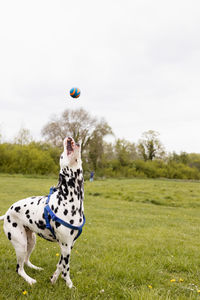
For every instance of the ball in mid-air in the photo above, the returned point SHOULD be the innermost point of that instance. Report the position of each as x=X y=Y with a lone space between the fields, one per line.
x=75 y=92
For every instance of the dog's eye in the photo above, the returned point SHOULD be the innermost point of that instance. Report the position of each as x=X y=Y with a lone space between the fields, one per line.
x=61 y=157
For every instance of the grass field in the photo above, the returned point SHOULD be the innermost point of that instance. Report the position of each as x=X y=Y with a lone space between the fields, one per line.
x=141 y=241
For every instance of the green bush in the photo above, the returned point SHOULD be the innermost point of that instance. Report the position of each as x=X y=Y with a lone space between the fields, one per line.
x=27 y=159
x=43 y=159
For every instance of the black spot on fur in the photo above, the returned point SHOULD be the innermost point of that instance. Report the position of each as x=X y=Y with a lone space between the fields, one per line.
x=42 y=236
x=14 y=224
x=32 y=202
x=71 y=200
x=57 y=224
x=65 y=212
x=40 y=224
x=72 y=232
x=56 y=210
x=80 y=220
x=80 y=183
x=67 y=269
x=8 y=218
x=71 y=194
x=71 y=221
x=24 y=205
x=39 y=201
x=71 y=182
x=66 y=259
x=9 y=235
x=59 y=200
x=78 y=171
x=61 y=260
x=28 y=216
x=52 y=207
x=66 y=192
x=81 y=194
x=30 y=221
x=27 y=212
x=73 y=213
x=33 y=197
x=11 y=207
x=17 y=268
x=17 y=208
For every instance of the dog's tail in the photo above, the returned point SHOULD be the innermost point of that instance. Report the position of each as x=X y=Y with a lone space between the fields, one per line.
x=2 y=218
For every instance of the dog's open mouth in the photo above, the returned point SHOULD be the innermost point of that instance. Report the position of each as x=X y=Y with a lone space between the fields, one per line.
x=70 y=146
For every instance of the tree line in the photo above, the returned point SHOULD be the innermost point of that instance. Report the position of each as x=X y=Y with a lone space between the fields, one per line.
x=146 y=158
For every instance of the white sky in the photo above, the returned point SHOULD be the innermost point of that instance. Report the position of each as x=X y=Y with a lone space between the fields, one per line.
x=137 y=64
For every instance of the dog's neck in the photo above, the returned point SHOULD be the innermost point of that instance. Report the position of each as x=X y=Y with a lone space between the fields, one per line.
x=71 y=185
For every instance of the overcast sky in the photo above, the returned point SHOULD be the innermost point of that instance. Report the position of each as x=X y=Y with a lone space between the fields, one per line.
x=137 y=64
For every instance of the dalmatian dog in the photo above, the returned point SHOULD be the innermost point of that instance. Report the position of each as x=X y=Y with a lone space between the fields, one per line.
x=26 y=218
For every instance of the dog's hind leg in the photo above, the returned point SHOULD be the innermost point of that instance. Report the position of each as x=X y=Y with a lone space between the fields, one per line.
x=31 y=241
x=18 y=238
x=58 y=270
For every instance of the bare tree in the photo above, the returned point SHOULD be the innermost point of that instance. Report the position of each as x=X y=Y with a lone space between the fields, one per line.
x=76 y=123
x=23 y=137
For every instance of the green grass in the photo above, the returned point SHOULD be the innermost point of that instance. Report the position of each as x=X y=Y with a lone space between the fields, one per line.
x=138 y=233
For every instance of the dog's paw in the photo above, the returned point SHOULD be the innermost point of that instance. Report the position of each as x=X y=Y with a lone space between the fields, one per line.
x=53 y=279
x=69 y=283
x=30 y=265
x=40 y=269
x=32 y=281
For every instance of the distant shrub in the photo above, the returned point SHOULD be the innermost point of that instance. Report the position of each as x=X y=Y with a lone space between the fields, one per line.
x=181 y=171
x=26 y=159
x=43 y=159
x=150 y=169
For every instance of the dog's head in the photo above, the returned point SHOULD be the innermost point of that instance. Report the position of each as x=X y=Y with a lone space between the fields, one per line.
x=71 y=156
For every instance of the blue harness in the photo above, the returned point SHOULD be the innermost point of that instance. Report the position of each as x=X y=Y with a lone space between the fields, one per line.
x=48 y=212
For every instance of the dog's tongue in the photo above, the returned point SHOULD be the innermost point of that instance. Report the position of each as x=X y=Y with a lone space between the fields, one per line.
x=69 y=146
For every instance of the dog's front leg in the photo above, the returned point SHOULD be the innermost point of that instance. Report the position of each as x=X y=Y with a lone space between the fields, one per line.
x=66 y=251
x=63 y=266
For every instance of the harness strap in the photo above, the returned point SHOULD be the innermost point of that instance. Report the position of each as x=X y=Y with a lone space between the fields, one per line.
x=48 y=212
